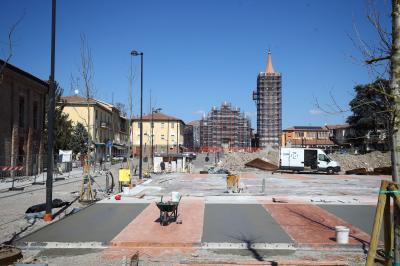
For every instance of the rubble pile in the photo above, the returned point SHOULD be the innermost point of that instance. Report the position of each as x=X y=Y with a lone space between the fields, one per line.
x=369 y=161
x=236 y=161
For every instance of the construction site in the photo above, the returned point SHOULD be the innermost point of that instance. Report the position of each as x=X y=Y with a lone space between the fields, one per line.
x=247 y=217
x=225 y=128
x=115 y=174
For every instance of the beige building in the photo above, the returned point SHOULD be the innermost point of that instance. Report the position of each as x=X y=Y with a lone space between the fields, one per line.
x=166 y=133
x=103 y=122
x=306 y=137
x=22 y=108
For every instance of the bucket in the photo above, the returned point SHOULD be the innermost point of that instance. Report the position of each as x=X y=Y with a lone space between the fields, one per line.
x=126 y=190
x=174 y=196
x=342 y=234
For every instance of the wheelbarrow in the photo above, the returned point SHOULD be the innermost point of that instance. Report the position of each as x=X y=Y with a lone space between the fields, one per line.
x=168 y=210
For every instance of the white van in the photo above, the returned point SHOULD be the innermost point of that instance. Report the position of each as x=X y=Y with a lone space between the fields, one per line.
x=301 y=159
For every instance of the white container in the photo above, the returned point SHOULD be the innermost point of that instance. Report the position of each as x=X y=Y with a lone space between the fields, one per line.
x=175 y=196
x=126 y=190
x=342 y=234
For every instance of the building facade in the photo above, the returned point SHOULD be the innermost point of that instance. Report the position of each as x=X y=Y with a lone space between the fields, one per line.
x=161 y=132
x=108 y=130
x=268 y=98
x=22 y=118
x=192 y=135
x=225 y=128
x=307 y=137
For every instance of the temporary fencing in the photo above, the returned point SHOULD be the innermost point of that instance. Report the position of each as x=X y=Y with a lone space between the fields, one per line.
x=16 y=172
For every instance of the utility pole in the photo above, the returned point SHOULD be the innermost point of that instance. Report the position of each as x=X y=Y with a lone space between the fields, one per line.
x=50 y=123
x=395 y=88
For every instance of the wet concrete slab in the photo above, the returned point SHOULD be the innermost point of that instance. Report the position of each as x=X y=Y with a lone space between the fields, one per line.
x=241 y=223
x=96 y=223
x=361 y=216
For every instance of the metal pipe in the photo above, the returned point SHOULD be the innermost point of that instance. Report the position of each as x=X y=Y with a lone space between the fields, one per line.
x=141 y=117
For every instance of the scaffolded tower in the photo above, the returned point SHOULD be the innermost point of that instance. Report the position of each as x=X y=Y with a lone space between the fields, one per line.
x=226 y=127
x=268 y=98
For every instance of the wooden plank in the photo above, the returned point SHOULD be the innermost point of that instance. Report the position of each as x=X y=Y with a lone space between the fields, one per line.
x=388 y=233
x=377 y=225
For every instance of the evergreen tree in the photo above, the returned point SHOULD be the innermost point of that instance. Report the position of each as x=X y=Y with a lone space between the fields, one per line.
x=372 y=110
x=79 y=139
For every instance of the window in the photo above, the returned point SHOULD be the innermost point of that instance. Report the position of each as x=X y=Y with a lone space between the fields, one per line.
x=172 y=125
x=138 y=125
x=323 y=157
x=298 y=134
x=21 y=117
x=162 y=125
x=162 y=136
x=35 y=115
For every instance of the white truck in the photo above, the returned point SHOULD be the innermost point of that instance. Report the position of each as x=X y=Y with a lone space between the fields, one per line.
x=301 y=159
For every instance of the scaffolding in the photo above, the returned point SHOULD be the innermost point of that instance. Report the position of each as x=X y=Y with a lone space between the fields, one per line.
x=225 y=128
x=268 y=98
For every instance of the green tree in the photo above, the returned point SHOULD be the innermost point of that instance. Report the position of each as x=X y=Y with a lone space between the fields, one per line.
x=372 y=109
x=79 y=139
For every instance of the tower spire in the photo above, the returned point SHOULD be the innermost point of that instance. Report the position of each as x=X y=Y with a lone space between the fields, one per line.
x=270 y=68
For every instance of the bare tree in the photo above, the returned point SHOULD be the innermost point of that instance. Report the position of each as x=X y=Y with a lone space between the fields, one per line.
x=86 y=74
x=122 y=108
x=10 y=44
x=387 y=52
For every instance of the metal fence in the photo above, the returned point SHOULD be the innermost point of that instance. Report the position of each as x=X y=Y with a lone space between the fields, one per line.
x=18 y=171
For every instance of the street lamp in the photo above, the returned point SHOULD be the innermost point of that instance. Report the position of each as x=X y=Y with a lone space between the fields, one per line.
x=48 y=216
x=136 y=53
x=156 y=110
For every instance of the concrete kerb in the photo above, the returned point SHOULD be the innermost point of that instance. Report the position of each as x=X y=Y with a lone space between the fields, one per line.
x=62 y=245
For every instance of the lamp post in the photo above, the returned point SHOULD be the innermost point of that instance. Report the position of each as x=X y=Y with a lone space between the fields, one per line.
x=152 y=132
x=136 y=53
x=50 y=130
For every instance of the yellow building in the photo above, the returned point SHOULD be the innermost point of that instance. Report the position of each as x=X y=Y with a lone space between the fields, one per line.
x=102 y=121
x=167 y=133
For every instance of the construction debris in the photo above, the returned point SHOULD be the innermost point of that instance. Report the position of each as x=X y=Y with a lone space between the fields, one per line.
x=261 y=164
x=236 y=161
x=375 y=159
x=9 y=254
x=374 y=171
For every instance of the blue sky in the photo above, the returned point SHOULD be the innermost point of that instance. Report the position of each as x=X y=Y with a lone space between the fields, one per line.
x=198 y=54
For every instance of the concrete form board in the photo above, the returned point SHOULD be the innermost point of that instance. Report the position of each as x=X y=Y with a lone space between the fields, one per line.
x=361 y=216
x=238 y=223
x=96 y=223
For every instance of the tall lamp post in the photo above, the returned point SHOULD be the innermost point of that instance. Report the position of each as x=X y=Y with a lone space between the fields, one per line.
x=136 y=53
x=50 y=125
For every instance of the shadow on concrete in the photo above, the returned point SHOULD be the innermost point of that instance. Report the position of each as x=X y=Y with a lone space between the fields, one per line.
x=249 y=241
x=362 y=242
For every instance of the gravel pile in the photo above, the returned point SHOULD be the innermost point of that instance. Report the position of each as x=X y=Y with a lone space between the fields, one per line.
x=370 y=160
x=236 y=161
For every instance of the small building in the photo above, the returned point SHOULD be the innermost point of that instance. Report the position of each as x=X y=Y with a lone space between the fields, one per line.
x=192 y=135
x=307 y=137
x=340 y=134
x=22 y=118
x=161 y=133
x=172 y=163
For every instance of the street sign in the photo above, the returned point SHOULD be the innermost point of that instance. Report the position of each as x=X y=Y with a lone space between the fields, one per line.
x=109 y=144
